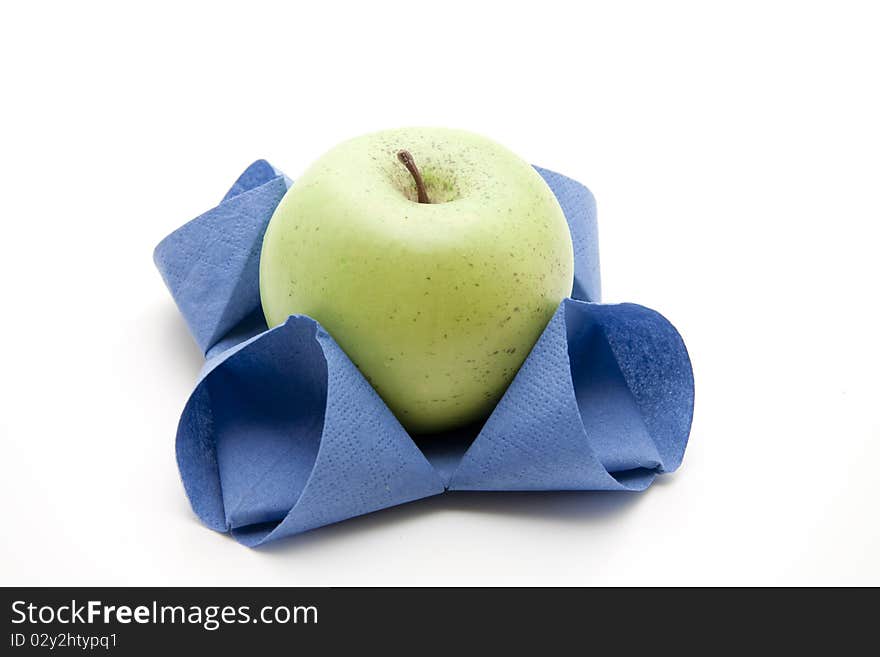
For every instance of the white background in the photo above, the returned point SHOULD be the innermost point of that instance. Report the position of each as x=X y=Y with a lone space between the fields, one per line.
x=735 y=155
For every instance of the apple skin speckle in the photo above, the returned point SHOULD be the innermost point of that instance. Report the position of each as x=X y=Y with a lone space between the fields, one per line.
x=438 y=303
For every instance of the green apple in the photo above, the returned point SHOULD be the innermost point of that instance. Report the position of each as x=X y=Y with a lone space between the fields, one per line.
x=434 y=257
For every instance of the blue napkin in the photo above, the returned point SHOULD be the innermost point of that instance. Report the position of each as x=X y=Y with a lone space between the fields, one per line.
x=282 y=433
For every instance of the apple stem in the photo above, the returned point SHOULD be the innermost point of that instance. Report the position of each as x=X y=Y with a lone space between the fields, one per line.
x=407 y=159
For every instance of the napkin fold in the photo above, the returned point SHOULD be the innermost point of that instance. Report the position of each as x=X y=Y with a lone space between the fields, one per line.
x=211 y=265
x=282 y=433
x=603 y=402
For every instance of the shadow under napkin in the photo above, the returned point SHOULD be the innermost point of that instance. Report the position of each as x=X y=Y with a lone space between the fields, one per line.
x=544 y=507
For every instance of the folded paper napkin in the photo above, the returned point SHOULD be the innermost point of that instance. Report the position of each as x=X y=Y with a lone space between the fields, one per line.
x=282 y=433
